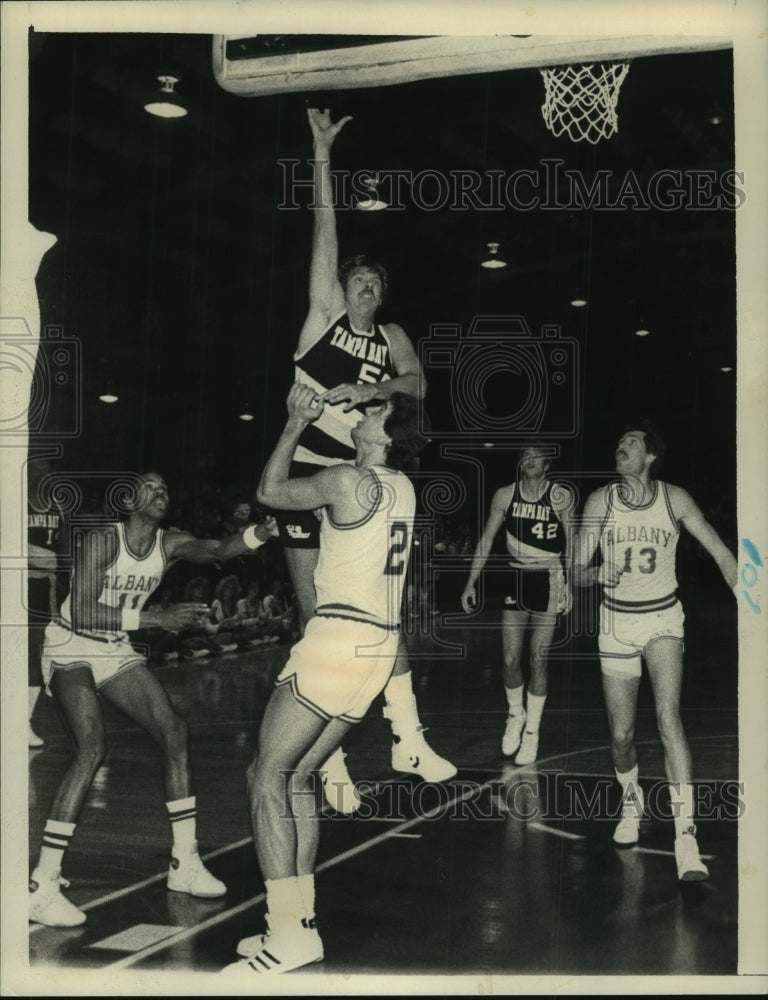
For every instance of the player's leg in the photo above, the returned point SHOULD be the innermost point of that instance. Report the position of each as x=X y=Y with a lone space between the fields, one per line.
x=664 y=658
x=75 y=693
x=138 y=693
x=513 y=629
x=285 y=808
x=410 y=751
x=301 y=557
x=620 y=690
x=541 y=631
x=39 y=613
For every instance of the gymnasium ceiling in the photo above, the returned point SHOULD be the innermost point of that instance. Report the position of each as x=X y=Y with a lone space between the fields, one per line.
x=186 y=283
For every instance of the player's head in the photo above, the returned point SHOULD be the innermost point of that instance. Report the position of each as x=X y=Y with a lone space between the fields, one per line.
x=640 y=445
x=356 y=270
x=151 y=496
x=406 y=425
x=533 y=461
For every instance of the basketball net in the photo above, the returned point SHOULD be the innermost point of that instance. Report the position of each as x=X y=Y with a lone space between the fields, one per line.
x=581 y=100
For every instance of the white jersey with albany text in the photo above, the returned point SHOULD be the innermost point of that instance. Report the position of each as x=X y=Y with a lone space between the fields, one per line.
x=128 y=580
x=641 y=540
x=361 y=569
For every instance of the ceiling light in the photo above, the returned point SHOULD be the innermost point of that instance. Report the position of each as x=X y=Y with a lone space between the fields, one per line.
x=726 y=368
x=246 y=413
x=492 y=258
x=165 y=102
x=108 y=397
x=642 y=333
x=373 y=202
x=578 y=303
x=715 y=114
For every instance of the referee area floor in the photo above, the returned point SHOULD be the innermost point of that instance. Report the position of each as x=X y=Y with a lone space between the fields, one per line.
x=503 y=870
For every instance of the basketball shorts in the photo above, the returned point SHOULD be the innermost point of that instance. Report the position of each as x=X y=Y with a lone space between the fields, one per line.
x=531 y=591
x=625 y=636
x=339 y=667
x=65 y=650
x=299 y=529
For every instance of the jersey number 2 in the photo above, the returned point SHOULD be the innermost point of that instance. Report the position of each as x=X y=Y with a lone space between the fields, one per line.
x=538 y=530
x=398 y=534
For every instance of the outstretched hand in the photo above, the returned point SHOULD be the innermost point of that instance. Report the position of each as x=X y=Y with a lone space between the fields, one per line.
x=324 y=130
x=352 y=394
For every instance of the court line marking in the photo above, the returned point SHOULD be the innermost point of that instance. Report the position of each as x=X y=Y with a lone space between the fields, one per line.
x=152 y=879
x=225 y=915
x=543 y=828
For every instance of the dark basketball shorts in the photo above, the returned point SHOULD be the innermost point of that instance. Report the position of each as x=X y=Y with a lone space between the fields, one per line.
x=527 y=590
x=299 y=529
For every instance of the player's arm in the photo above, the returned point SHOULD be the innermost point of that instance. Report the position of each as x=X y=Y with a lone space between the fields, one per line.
x=94 y=553
x=689 y=515
x=495 y=520
x=181 y=545
x=409 y=378
x=564 y=504
x=326 y=296
x=41 y=559
x=276 y=488
x=585 y=543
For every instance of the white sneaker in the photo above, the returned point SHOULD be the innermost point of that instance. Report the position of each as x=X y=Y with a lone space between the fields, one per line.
x=48 y=906
x=627 y=831
x=412 y=754
x=529 y=748
x=338 y=787
x=187 y=873
x=35 y=741
x=282 y=950
x=513 y=731
x=250 y=946
x=690 y=867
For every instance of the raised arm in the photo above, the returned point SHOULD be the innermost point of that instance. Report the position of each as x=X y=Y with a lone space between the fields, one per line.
x=495 y=520
x=276 y=489
x=691 y=518
x=326 y=296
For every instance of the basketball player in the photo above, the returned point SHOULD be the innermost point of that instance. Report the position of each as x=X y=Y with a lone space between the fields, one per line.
x=88 y=655
x=342 y=663
x=637 y=523
x=349 y=360
x=535 y=513
x=44 y=525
